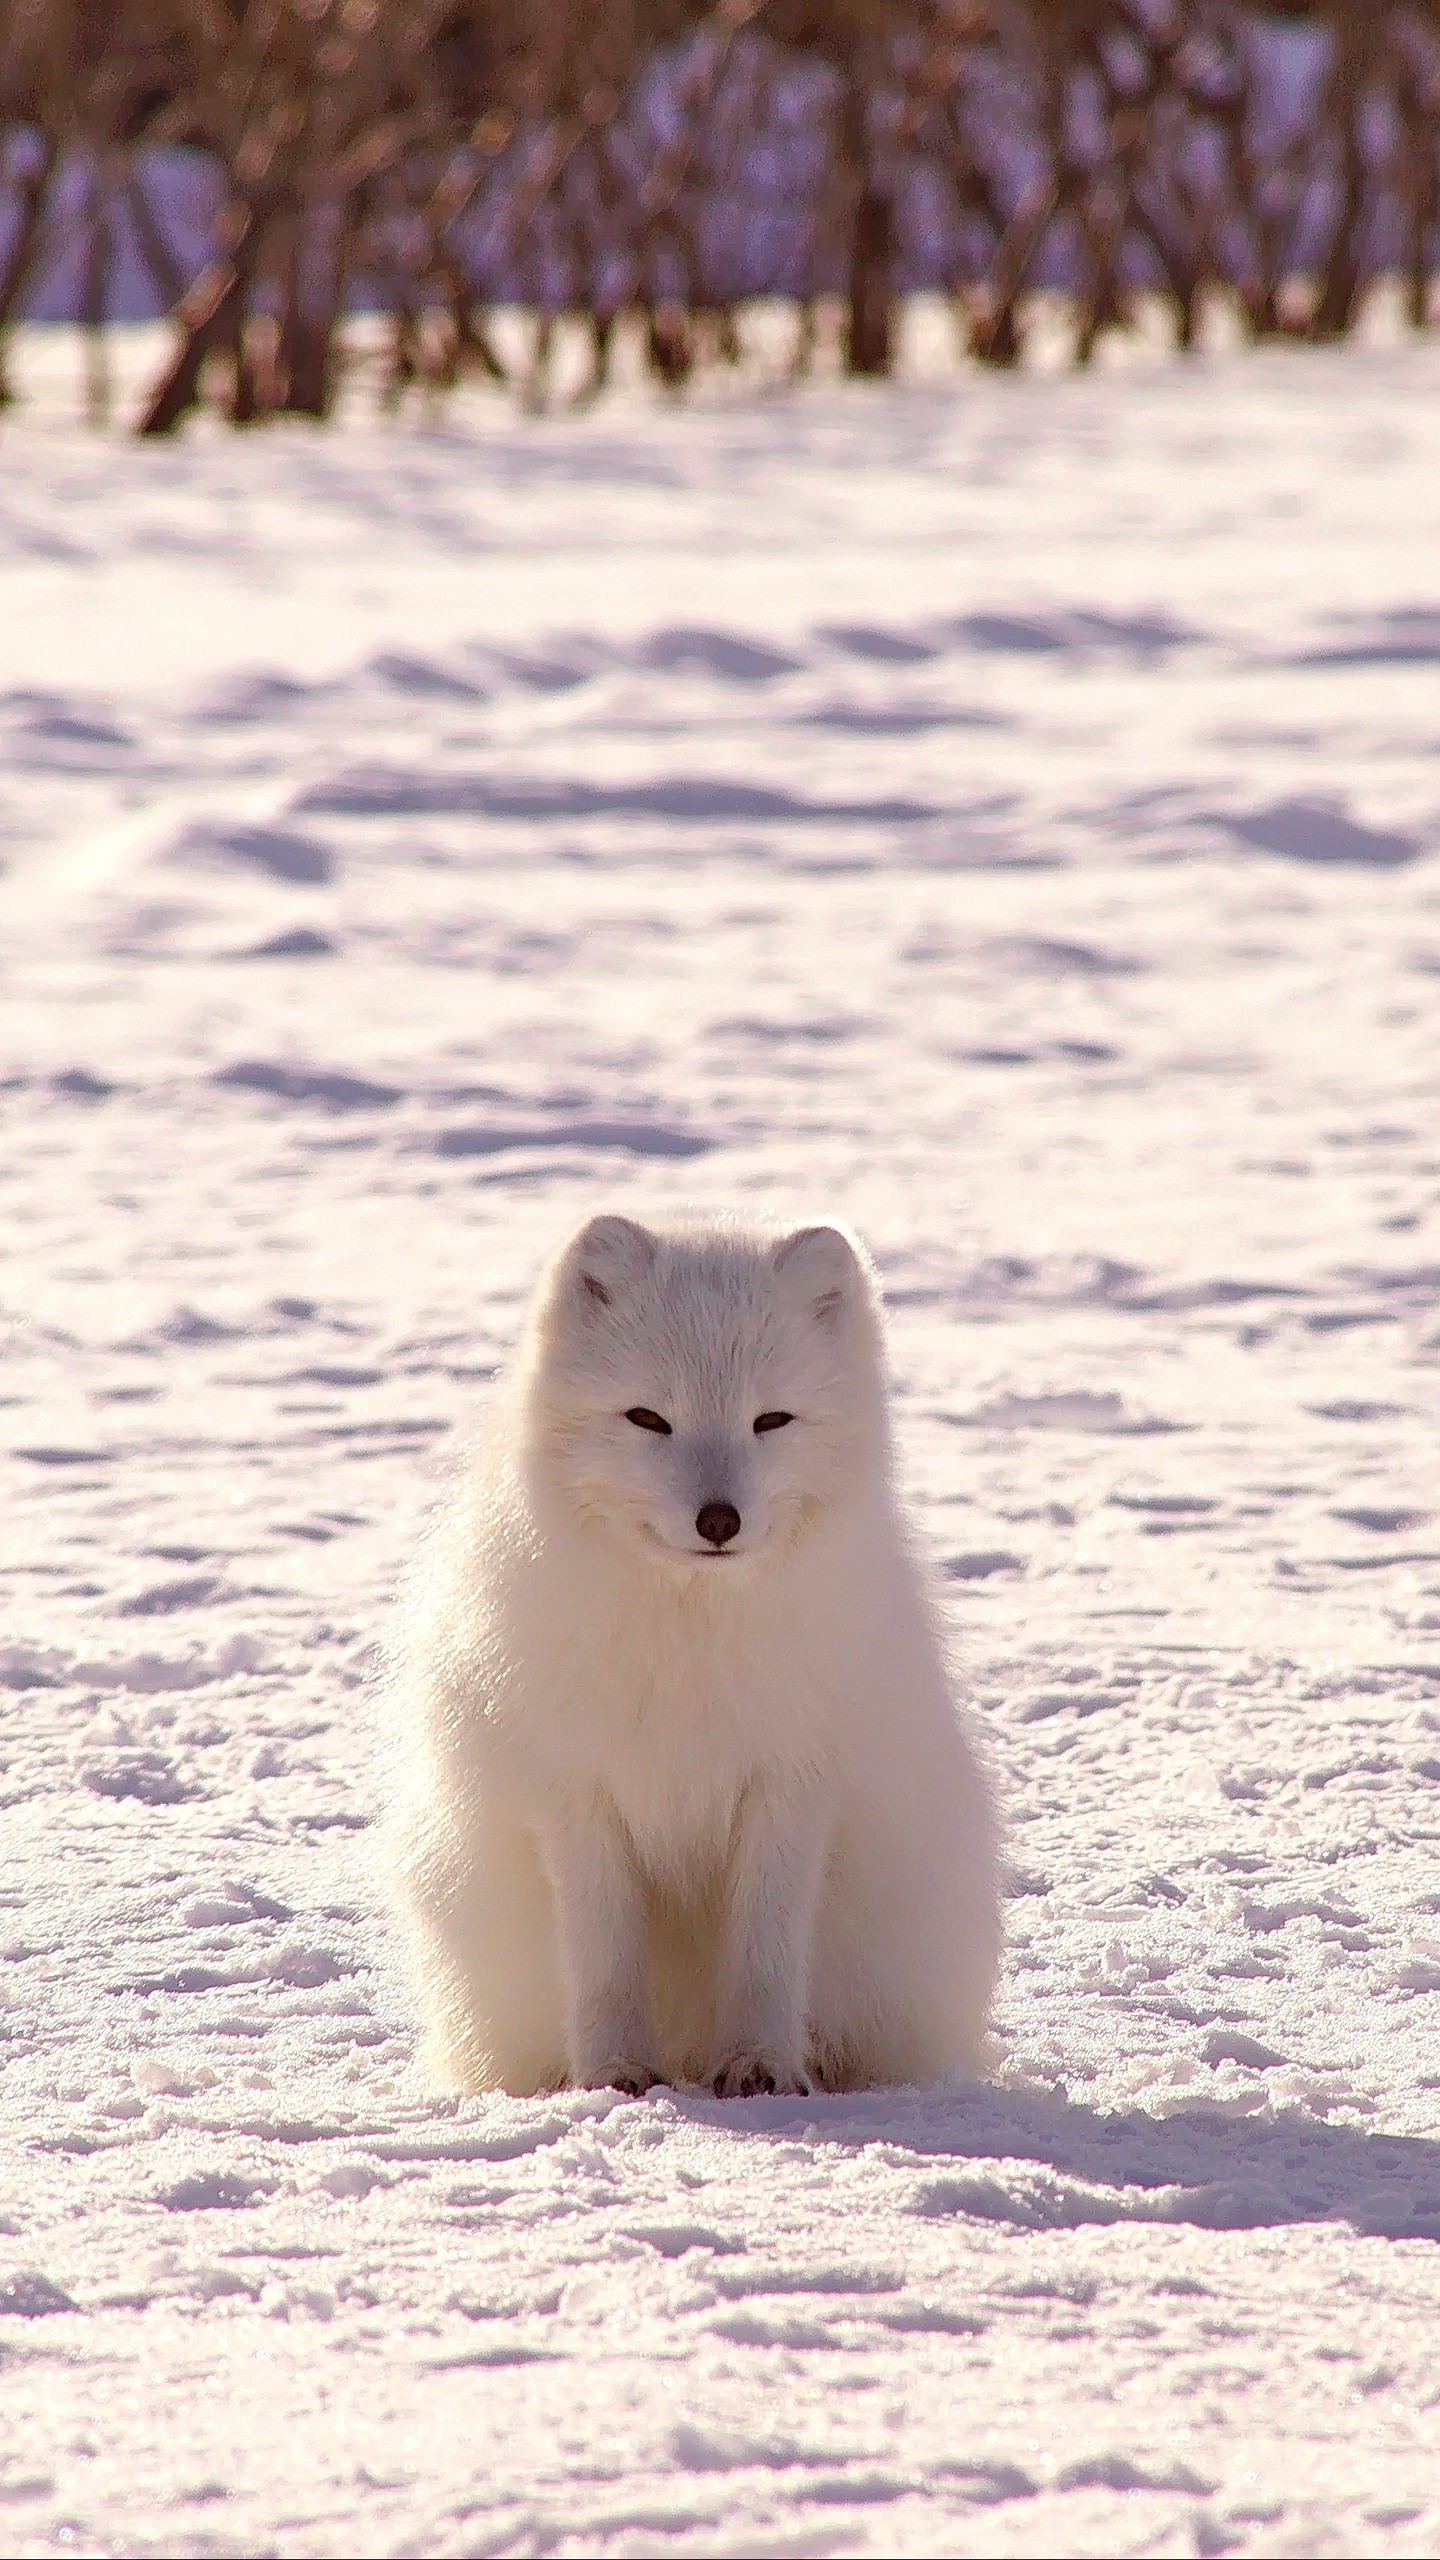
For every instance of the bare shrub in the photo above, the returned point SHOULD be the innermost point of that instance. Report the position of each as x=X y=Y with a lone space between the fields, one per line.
x=657 y=165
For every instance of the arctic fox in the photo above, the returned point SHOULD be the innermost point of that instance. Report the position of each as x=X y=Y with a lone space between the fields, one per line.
x=683 y=1794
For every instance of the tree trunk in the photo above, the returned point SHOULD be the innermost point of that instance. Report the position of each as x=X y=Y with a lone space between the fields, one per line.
x=1419 y=193
x=870 y=317
x=209 y=314
x=807 y=331
x=1338 y=299
x=1184 y=270
x=314 y=289
x=602 y=340
x=474 y=349
x=95 y=300
x=403 y=365
x=996 y=339
x=1099 y=233
x=669 y=343
x=25 y=248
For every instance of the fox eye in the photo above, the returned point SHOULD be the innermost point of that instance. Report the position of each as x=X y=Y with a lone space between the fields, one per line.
x=645 y=1420
x=772 y=1421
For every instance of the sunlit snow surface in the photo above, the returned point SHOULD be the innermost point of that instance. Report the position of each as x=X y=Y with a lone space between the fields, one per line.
x=1008 y=814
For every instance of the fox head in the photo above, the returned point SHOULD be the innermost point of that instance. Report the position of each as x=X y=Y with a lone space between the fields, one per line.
x=709 y=1396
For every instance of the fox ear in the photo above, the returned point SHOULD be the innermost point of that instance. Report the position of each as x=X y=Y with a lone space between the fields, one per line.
x=608 y=1252
x=825 y=1263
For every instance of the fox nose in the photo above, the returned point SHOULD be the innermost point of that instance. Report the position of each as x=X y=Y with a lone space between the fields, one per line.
x=719 y=1522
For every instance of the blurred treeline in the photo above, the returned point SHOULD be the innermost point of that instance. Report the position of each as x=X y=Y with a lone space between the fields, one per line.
x=261 y=170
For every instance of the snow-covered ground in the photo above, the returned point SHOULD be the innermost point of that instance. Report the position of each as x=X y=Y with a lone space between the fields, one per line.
x=1007 y=812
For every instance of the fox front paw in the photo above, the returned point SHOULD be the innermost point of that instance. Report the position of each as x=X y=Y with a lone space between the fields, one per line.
x=758 y=2074
x=632 y=2079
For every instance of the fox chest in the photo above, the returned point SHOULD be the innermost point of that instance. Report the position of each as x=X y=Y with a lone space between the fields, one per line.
x=680 y=1755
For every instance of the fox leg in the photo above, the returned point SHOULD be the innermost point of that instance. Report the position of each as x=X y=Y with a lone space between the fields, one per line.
x=777 y=1865
x=601 y=1930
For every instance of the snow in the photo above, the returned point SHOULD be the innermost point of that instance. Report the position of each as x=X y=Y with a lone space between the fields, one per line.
x=1006 y=812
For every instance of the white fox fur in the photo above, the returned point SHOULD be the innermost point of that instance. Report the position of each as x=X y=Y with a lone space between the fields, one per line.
x=670 y=1809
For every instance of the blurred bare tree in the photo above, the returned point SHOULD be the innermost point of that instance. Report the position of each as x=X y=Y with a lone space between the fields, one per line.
x=660 y=164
